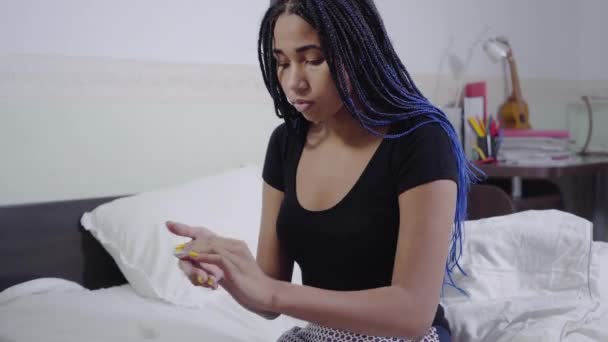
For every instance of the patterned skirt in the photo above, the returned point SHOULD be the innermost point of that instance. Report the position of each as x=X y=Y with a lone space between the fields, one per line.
x=317 y=333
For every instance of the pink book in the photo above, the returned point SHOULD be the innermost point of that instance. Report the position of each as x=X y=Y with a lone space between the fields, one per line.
x=544 y=133
x=478 y=89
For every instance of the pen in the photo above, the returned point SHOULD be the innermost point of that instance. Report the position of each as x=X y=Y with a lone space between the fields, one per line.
x=482 y=126
x=480 y=152
x=489 y=144
x=475 y=126
x=489 y=136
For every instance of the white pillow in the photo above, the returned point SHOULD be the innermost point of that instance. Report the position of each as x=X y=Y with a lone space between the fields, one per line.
x=133 y=231
x=526 y=254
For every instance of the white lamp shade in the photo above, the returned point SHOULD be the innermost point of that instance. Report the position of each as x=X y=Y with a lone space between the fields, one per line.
x=496 y=50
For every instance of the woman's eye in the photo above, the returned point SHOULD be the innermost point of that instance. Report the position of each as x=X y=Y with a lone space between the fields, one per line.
x=316 y=61
x=282 y=65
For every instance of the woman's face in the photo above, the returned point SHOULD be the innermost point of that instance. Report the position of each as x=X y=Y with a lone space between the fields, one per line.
x=302 y=69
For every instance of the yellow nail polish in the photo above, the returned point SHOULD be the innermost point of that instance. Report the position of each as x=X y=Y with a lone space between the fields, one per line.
x=200 y=279
x=193 y=254
x=210 y=281
x=180 y=247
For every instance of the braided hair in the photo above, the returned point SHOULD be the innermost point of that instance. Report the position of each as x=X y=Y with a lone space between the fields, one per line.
x=352 y=35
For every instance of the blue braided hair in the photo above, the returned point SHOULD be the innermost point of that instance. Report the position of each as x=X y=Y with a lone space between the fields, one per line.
x=352 y=34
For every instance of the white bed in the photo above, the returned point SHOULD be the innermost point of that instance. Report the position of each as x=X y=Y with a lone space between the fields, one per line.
x=532 y=276
x=539 y=317
x=57 y=310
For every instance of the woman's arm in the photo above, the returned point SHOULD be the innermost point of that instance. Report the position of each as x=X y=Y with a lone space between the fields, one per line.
x=270 y=257
x=407 y=307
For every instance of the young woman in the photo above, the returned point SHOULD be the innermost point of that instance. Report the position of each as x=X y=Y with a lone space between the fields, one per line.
x=364 y=187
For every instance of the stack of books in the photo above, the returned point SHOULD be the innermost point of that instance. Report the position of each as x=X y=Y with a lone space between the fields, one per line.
x=529 y=147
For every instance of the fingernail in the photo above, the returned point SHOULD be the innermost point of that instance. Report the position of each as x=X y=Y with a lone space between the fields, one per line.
x=210 y=281
x=180 y=253
x=180 y=247
x=200 y=279
x=193 y=254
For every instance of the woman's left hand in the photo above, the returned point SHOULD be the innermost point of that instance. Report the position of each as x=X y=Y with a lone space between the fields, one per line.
x=243 y=278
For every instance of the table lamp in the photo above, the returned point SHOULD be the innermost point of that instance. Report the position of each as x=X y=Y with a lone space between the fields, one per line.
x=513 y=113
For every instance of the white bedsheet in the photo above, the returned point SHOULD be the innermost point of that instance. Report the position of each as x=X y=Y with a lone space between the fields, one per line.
x=534 y=276
x=56 y=310
x=530 y=319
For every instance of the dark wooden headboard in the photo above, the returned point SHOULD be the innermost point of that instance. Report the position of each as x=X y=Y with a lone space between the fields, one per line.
x=46 y=240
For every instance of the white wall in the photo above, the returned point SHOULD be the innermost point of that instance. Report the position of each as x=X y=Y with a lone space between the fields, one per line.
x=82 y=127
x=592 y=47
x=539 y=31
x=544 y=33
x=198 y=31
x=112 y=97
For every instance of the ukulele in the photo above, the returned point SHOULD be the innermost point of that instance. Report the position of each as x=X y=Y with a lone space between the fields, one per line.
x=514 y=111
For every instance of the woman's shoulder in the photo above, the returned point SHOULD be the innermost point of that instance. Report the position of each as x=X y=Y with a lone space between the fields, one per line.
x=287 y=137
x=276 y=154
x=425 y=153
x=419 y=133
x=279 y=136
x=282 y=140
x=279 y=132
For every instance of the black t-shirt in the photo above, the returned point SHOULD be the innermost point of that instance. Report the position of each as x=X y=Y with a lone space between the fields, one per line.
x=352 y=245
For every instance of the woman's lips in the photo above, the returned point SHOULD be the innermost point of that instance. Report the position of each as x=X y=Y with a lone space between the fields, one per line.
x=301 y=105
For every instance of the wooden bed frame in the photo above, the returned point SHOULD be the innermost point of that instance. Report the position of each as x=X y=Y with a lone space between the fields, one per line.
x=46 y=239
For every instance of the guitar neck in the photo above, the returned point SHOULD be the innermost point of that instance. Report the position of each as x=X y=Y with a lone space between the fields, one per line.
x=514 y=78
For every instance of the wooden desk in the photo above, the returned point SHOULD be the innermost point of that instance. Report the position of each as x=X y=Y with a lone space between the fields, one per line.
x=582 y=166
x=587 y=176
